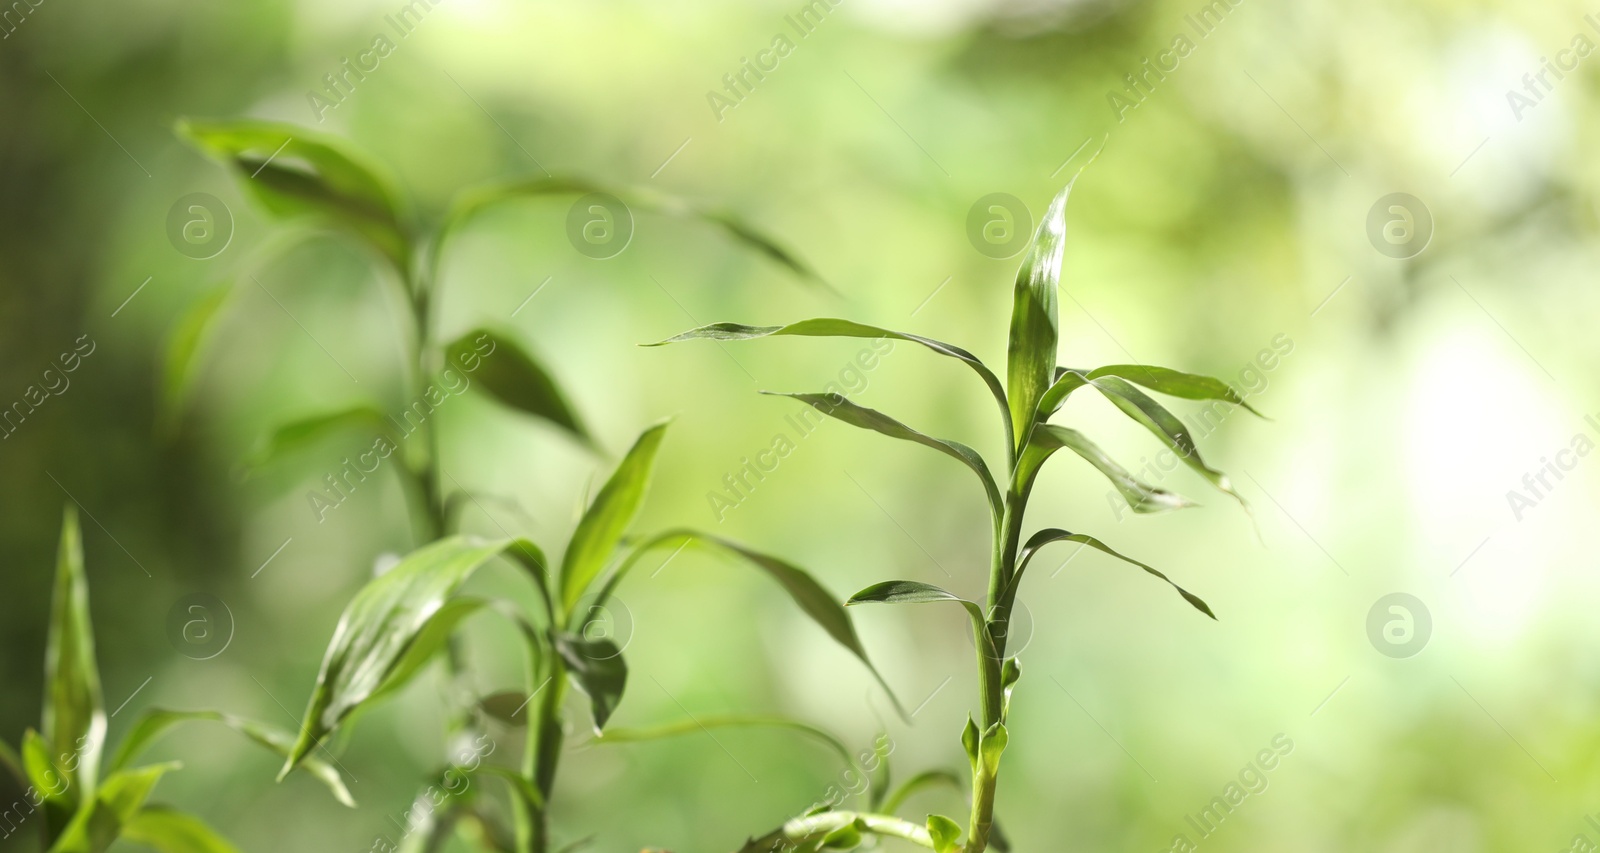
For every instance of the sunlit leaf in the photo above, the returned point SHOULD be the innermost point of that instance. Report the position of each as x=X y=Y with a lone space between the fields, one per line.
x=608 y=517
x=1175 y=383
x=170 y=831
x=1031 y=346
x=102 y=819
x=509 y=374
x=946 y=834
x=1048 y=535
x=599 y=669
x=840 y=408
x=1164 y=425
x=294 y=172
x=74 y=728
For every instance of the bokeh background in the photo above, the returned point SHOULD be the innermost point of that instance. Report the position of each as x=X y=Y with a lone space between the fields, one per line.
x=1230 y=209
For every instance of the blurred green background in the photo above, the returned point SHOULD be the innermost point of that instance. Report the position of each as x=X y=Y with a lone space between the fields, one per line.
x=1228 y=212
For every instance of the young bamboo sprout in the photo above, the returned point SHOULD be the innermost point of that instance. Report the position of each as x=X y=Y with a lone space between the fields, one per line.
x=1035 y=389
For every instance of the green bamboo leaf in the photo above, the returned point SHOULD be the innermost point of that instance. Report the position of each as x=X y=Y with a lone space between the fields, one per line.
x=185 y=351
x=510 y=375
x=1066 y=382
x=703 y=724
x=294 y=172
x=916 y=592
x=1165 y=426
x=101 y=820
x=171 y=831
x=1175 y=383
x=156 y=721
x=992 y=745
x=920 y=782
x=301 y=433
x=1053 y=534
x=475 y=201
x=946 y=834
x=427 y=643
x=838 y=407
x=1141 y=497
x=74 y=726
x=812 y=598
x=1031 y=347
x=608 y=517
x=598 y=668
x=833 y=328
x=381 y=625
x=51 y=782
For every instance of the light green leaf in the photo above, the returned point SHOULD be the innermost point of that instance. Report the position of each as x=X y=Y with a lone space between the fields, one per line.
x=598 y=668
x=171 y=831
x=1164 y=425
x=304 y=432
x=1141 y=497
x=992 y=745
x=832 y=328
x=74 y=728
x=51 y=781
x=509 y=374
x=702 y=724
x=100 y=821
x=970 y=736
x=1031 y=347
x=946 y=834
x=920 y=782
x=295 y=172
x=1175 y=383
x=840 y=408
x=156 y=721
x=385 y=620
x=608 y=517
x=1048 y=535
x=186 y=349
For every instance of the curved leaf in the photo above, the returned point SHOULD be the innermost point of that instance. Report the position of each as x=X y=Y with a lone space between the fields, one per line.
x=74 y=724
x=916 y=592
x=608 y=517
x=840 y=408
x=919 y=782
x=385 y=620
x=513 y=377
x=599 y=669
x=1175 y=383
x=155 y=722
x=1066 y=382
x=185 y=349
x=832 y=328
x=945 y=833
x=1141 y=497
x=699 y=725
x=292 y=171
x=100 y=821
x=1164 y=425
x=171 y=831
x=303 y=432
x=812 y=598
x=1052 y=534
x=1031 y=346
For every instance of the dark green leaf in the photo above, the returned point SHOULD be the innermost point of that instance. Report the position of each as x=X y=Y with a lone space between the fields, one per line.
x=603 y=525
x=295 y=172
x=598 y=668
x=1141 y=497
x=513 y=377
x=1164 y=425
x=507 y=706
x=916 y=592
x=155 y=722
x=100 y=821
x=836 y=406
x=1175 y=383
x=304 y=432
x=1055 y=397
x=1048 y=535
x=832 y=328
x=389 y=616
x=171 y=831
x=1031 y=347
x=74 y=727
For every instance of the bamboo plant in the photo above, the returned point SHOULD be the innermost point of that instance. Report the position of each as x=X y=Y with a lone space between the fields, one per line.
x=407 y=616
x=1034 y=391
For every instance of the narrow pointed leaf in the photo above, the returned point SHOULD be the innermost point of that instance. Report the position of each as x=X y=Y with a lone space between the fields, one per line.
x=304 y=432
x=186 y=351
x=295 y=172
x=599 y=669
x=916 y=592
x=1048 y=535
x=74 y=726
x=1055 y=397
x=838 y=407
x=1175 y=383
x=832 y=328
x=101 y=820
x=608 y=517
x=168 y=830
x=700 y=724
x=1165 y=426
x=1141 y=497
x=512 y=376
x=1031 y=347
x=380 y=626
